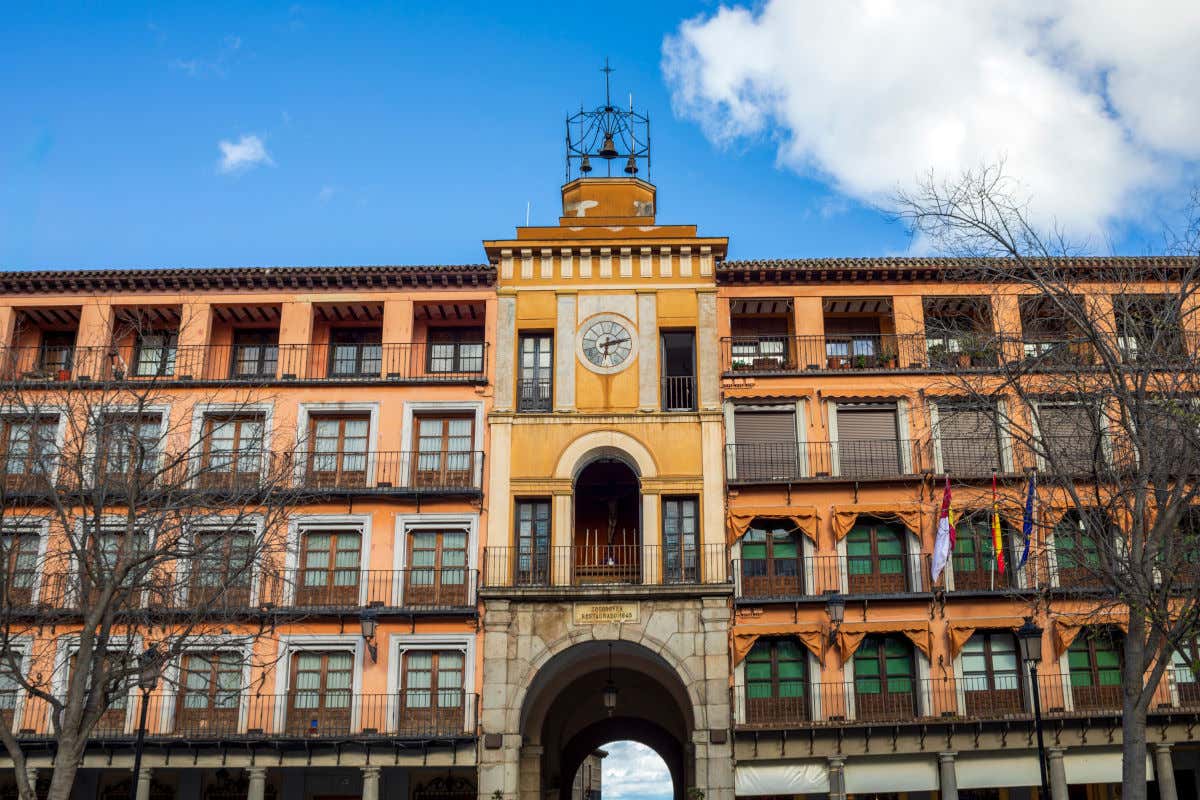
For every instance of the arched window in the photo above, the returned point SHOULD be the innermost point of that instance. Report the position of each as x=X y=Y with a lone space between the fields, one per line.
x=875 y=562
x=777 y=682
x=771 y=560
x=885 y=678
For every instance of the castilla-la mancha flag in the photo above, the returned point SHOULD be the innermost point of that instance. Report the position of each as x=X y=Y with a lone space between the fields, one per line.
x=943 y=545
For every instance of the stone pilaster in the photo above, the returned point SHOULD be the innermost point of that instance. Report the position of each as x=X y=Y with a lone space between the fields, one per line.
x=370 y=779
x=143 y=783
x=837 y=778
x=258 y=783
x=1057 y=773
x=1164 y=772
x=947 y=777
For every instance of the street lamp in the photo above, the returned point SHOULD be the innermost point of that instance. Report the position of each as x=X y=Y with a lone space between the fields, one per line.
x=149 y=671
x=369 y=621
x=1029 y=639
x=835 y=607
x=609 y=695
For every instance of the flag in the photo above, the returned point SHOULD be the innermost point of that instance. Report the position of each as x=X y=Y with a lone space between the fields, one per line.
x=997 y=537
x=943 y=545
x=1027 y=520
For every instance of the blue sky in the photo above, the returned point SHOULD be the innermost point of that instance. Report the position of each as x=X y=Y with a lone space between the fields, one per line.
x=406 y=133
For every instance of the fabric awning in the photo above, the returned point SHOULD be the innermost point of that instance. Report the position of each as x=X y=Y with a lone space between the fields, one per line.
x=812 y=634
x=1068 y=626
x=960 y=632
x=782 y=778
x=908 y=514
x=803 y=517
x=851 y=634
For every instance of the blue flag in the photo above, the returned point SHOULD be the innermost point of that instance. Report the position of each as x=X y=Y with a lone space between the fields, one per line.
x=1027 y=520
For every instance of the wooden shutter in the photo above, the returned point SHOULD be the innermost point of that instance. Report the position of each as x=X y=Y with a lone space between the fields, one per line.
x=867 y=441
x=766 y=444
x=967 y=436
x=1069 y=434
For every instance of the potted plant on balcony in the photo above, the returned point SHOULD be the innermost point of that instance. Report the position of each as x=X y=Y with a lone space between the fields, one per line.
x=939 y=355
x=888 y=358
x=838 y=362
x=862 y=361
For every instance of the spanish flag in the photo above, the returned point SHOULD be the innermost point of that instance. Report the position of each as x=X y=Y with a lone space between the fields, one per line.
x=997 y=536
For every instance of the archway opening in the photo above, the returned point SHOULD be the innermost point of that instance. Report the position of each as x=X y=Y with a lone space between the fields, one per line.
x=623 y=770
x=607 y=541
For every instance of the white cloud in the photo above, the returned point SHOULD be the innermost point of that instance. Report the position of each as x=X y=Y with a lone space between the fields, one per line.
x=1089 y=102
x=248 y=151
x=632 y=770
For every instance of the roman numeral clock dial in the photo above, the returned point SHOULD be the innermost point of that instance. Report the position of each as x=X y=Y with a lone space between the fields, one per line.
x=606 y=345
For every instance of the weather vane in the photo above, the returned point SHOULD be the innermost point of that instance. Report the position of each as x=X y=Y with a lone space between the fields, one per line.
x=609 y=134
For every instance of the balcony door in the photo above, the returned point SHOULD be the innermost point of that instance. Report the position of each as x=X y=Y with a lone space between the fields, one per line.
x=209 y=694
x=338 y=458
x=678 y=359
x=455 y=351
x=771 y=560
x=533 y=543
x=431 y=697
x=10 y=690
x=232 y=451
x=437 y=572
x=975 y=566
x=679 y=534
x=330 y=568
x=129 y=448
x=319 y=700
x=765 y=447
x=777 y=682
x=223 y=571
x=875 y=558
x=444 y=456
x=991 y=677
x=356 y=353
x=535 y=379
x=19 y=560
x=29 y=451
x=155 y=354
x=868 y=444
x=1077 y=550
x=255 y=354
x=884 y=679
x=1184 y=663
x=1094 y=659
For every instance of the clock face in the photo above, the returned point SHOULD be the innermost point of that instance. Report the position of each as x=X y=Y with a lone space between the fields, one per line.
x=606 y=344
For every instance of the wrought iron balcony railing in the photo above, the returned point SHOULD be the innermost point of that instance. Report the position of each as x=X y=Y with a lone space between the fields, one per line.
x=601 y=565
x=789 y=462
x=789 y=579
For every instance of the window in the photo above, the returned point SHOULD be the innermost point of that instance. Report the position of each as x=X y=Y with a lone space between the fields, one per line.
x=223 y=569
x=432 y=691
x=129 y=446
x=765 y=448
x=1094 y=659
x=852 y=342
x=56 y=354
x=455 y=350
x=760 y=342
x=210 y=687
x=10 y=688
x=884 y=678
x=969 y=440
x=1149 y=327
x=255 y=354
x=535 y=386
x=975 y=567
x=355 y=353
x=1076 y=548
x=1071 y=439
x=533 y=542
x=117 y=683
x=991 y=678
x=776 y=682
x=155 y=354
x=678 y=371
x=330 y=568
x=1184 y=664
x=319 y=699
x=680 y=552
x=771 y=560
x=29 y=450
x=444 y=457
x=875 y=558
x=868 y=443
x=232 y=451
x=19 y=560
x=339 y=451
x=437 y=572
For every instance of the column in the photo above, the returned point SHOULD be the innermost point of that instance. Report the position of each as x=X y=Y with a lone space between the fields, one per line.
x=647 y=355
x=1164 y=772
x=652 y=553
x=195 y=333
x=1057 y=772
x=258 y=783
x=908 y=313
x=562 y=539
x=93 y=340
x=564 y=354
x=295 y=339
x=947 y=777
x=529 y=781
x=370 y=778
x=504 y=353
x=837 y=778
x=708 y=354
x=143 y=783
x=401 y=356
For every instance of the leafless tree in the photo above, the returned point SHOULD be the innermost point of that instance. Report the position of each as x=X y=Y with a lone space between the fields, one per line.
x=1089 y=367
x=126 y=538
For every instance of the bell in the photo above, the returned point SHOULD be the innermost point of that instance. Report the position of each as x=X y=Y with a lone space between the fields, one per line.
x=608 y=149
x=630 y=166
x=585 y=165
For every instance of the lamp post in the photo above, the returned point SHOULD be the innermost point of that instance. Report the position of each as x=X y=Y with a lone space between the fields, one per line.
x=835 y=608
x=609 y=694
x=368 y=620
x=1029 y=639
x=149 y=670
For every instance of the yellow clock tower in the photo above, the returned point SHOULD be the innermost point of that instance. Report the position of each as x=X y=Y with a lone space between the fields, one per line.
x=605 y=583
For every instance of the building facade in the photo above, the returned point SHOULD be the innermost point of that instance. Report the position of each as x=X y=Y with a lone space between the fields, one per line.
x=602 y=487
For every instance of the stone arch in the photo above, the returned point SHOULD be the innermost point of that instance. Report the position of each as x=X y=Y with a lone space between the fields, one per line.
x=599 y=444
x=608 y=730
x=556 y=648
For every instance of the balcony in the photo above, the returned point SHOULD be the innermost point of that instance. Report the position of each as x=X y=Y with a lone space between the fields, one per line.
x=678 y=393
x=793 y=462
x=599 y=566
x=410 y=714
x=535 y=394
x=771 y=354
x=811 y=577
x=255 y=364
x=411 y=591
x=921 y=701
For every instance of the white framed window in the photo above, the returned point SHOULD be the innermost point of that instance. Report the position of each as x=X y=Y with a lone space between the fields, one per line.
x=435 y=559
x=327 y=560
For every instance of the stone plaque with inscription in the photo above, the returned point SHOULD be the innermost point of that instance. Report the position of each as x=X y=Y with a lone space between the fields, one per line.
x=599 y=613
